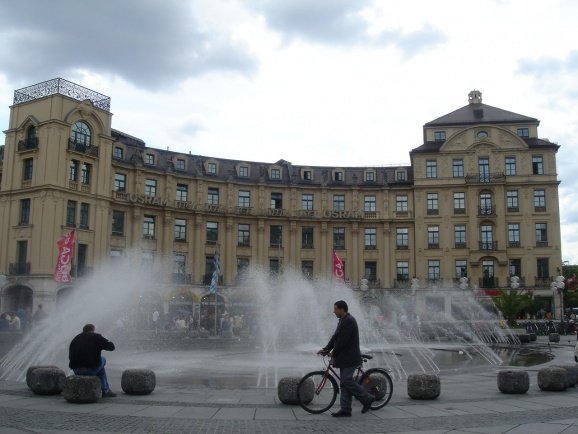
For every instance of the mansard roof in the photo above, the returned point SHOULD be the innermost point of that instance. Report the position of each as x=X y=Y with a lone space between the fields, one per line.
x=480 y=114
x=533 y=143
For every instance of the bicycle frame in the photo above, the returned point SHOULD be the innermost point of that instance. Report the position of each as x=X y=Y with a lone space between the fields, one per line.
x=328 y=370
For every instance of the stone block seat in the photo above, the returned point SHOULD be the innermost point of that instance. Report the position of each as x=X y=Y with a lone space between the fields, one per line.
x=554 y=337
x=423 y=386
x=524 y=338
x=571 y=374
x=32 y=368
x=46 y=380
x=510 y=381
x=138 y=381
x=552 y=379
x=287 y=390
x=82 y=389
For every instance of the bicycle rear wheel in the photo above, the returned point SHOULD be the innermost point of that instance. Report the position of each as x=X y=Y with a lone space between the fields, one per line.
x=377 y=382
x=317 y=392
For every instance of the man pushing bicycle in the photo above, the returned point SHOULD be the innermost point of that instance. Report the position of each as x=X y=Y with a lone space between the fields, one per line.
x=343 y=348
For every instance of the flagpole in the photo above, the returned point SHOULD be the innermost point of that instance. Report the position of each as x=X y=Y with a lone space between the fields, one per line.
x=75 y=255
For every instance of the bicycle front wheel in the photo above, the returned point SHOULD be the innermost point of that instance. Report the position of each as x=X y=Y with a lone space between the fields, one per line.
x=378 y=382
x=317 y=392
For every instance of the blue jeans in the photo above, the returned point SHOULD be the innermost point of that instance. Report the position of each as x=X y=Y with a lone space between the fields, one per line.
x=350 y=387
x=98 y=371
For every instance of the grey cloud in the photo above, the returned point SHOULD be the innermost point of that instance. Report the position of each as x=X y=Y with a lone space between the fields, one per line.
x=339 y=22
x=152 y=44
x=548 y=65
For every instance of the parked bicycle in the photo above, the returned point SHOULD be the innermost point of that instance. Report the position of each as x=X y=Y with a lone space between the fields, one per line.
x=317 y=390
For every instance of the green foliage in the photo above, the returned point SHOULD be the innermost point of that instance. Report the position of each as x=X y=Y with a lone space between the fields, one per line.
x=511 y=302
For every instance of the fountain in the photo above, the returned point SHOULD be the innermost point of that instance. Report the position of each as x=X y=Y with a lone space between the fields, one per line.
x=408 y=331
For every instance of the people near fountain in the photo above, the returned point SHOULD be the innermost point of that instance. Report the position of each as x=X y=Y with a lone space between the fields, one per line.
x=4 y=323
x=85 y=356
x=15 y=324
x=237 y=324
x=39 y=316
x=156 y=318
x=22 y=314
x=343 y=348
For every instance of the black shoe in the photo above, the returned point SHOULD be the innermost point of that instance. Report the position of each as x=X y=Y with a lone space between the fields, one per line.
x=108 y=394
x=341 y=413
x=367 y=404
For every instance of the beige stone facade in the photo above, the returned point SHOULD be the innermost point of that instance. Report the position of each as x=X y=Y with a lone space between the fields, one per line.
x=479 y=199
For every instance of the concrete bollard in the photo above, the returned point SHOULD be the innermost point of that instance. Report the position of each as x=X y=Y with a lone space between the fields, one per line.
x=32 y=368
x=571 y=374
x=82 y=389
x=554 y=337
x=552 y=379
x=513 y=382
x=46 y=381
x=138 y=381
x=423 y=386
x=524 y=338
x=287 y=390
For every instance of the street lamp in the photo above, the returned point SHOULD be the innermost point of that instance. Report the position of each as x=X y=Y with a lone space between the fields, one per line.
x=560 y=287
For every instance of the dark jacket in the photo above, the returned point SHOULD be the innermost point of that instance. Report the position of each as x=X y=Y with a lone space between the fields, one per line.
x=85 y=348
x=345 y=343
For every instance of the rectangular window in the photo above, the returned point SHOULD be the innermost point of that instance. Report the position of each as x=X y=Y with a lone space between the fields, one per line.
x=306 y=238
x=276 y=236
x=117 y=222
x=537 y=165
x=212 y=232
x=24 y=211
x=512 y=200
x=275 y=173
x=307 y=175
x=307 y=202
x=244 y=199
x=118 y=153
x=307 y=269
x=523 y=132
x=543 y=268
x=458 y=168
x=433 y=269
x=277 y=200
x=179 y=266
x=484 y=168
x=212 y=168
x=541 y=235
x=338 y=176
x=339 y=202
x=510 y=166
x=439 y=136
x=244 y=235
x=243 y=171
x=487 y=237
x=339 y=238
x=400 y=175
x=73 y=170
x=370 y=272
x=513 y=235
x=432 y=203
x=119 y=182
x=180 y=164
x=402 y=238
x=369 y=203
x=84 y=213
x=71 y=213
x=433 y=237
x=27 y=169
x=85 y=173
x=539 y=200
x=460 y=236
x=461 y=268
x=213 y=196
x=402 y=270
x=180 y=230
x=431 y=169
x=515 y=267
x=401 y=203
x=242 y=265
x=150 y=187
x=459 y=202
x=370 y=176
x=182 y=192
x=149 y=227
x=150 y=159
x=370 y=238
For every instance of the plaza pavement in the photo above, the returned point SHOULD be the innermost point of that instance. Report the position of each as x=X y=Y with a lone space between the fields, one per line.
x=469 y=403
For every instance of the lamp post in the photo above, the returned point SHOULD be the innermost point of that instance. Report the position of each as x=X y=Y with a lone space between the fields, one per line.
x=560 y=287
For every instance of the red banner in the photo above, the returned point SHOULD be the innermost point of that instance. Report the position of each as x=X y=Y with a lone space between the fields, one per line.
x=64 y=261
x=338 y=271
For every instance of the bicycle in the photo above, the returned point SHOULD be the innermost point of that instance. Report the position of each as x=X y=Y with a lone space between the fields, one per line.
x=317 y=390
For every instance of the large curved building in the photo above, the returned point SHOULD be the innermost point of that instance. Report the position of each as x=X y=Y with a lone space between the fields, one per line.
x=480 y=199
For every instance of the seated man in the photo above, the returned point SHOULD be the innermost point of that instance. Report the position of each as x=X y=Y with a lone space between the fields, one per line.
x=85 y=358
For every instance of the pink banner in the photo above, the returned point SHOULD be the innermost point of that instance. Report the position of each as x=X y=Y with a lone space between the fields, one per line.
x=65 y=255
x=338 y=271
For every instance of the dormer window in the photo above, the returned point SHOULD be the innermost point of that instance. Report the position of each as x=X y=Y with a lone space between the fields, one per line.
x=212 y=168
x=243 y=171
x=150 y=159
x=338 y=176
x=180 y=164
x=400 y=175
x=523 y=132
x=275 y=173
x=439 y=136
x=118 y=153
x=370 y=176
x=307 y=175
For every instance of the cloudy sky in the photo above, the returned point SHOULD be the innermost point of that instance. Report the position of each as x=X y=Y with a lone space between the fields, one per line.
x=324 y=82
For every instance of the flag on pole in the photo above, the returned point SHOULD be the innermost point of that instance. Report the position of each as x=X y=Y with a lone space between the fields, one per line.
x=65 y=255
x=216 y=272
x=338 y=271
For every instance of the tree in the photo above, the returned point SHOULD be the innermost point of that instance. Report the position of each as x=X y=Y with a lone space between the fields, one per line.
x=511 y=302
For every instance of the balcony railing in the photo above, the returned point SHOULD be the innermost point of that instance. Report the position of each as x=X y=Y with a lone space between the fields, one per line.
x=370 y=247
x=90 y=150
x=513 y=244
x=487 y=210
x=370 y=214
x=459 y=210
x=541 y=243
x=485 y=178
x=244 y=210
x=402 y=283
x=28 y=144
x=373 y=283
x=402 y=247
x=182 y=278
x=540 y=209
x=433 y=211
x=488 y=245
x=513 y=209
x=209 y=276
x=460 y=246
x=307 y=245
x=433 y=245
x=488 y=282
x=19 y=269
x=542 y=281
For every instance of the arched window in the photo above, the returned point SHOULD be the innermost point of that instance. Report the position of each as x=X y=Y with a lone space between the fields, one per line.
x=80 y=134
